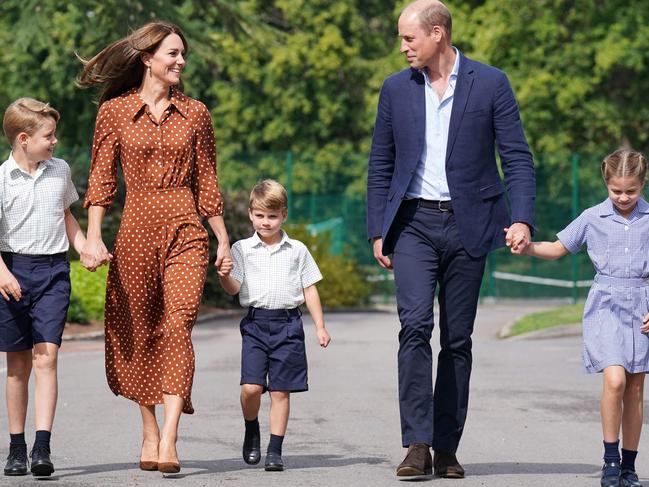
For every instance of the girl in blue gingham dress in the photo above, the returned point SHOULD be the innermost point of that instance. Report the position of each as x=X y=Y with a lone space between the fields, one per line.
x=616 y=319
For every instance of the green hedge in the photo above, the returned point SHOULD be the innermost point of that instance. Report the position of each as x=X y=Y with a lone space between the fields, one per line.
x=344 y=282
x=88 y=293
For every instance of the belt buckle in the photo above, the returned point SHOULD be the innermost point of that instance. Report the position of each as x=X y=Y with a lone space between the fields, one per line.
x=439 y=206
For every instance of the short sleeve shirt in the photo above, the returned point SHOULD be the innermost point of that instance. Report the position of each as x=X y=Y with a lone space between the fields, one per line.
x=617 y=246
x=273 y=277
x=32 y=207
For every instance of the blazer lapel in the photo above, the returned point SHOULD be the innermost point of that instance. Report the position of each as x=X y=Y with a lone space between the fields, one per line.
x=460 y=97
x=418 y=109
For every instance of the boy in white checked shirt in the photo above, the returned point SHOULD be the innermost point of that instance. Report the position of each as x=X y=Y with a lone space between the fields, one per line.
x=36 y=227
x=273 y=275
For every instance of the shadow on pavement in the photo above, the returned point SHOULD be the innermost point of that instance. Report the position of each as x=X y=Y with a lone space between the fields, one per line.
x=226 y=465
x=515 y=468
x=291 y=462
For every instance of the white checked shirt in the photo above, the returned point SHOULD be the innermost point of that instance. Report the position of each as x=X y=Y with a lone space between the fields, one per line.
x=273 y=277
x=32 y=218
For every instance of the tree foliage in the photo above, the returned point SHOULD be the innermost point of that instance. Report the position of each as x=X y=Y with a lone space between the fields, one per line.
x=304 y=75
x=578 y=68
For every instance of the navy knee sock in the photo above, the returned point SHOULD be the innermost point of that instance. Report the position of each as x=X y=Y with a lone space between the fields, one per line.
x=252 y=426
x=275 y=444
x=42 y=439
x=18 y=439
x=612 y=454
x=628 y=459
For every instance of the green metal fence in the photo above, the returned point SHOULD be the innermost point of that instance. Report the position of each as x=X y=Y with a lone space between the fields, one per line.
x=566 y=185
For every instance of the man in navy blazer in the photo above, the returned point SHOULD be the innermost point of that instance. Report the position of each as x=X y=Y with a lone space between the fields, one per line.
x=437 y=205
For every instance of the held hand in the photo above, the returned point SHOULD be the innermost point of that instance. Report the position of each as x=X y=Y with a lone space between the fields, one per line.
x=517 y=238
x=94 y=254
x=222 y=251
x=645 y=324
x=225 y=267
x=383 y=260
x=9 y=286
x=323 y=337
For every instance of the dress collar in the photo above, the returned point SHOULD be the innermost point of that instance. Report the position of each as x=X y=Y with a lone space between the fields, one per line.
x=135 y=104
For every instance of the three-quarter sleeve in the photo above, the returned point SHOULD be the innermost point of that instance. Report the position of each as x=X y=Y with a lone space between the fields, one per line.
x=102 y=183
x=209 y=201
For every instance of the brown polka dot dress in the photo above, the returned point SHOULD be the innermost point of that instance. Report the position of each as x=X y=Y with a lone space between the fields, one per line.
x=160 y=257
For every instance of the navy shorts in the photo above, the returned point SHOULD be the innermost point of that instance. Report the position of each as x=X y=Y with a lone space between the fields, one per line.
x=273 y=353
x=40 y=314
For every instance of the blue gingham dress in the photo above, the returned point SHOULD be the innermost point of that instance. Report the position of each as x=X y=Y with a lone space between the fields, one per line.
x=619 y=297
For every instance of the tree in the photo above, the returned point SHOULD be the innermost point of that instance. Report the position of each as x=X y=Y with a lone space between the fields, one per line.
x=578 y=68
x=310 y=90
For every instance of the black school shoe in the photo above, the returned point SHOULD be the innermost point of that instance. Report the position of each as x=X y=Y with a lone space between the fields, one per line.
x=274 y=462
x=42 y=466
x=628 y=478
x=16 y=461
x=251 y=447
x=610 y=475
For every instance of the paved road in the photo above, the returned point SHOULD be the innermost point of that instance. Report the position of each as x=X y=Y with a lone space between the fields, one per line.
x=533 y=418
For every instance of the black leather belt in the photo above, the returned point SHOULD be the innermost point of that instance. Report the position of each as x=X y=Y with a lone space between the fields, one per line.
x=436 y=205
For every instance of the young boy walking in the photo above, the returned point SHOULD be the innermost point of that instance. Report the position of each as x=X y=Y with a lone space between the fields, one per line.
x=36 y=227
x=273 y=275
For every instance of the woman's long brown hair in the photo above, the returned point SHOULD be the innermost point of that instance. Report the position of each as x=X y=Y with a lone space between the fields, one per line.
x=118 y=67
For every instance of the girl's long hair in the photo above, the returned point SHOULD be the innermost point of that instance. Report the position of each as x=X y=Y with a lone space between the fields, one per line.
x=118 y=67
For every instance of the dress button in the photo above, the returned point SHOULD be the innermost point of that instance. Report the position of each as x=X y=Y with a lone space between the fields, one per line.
x=626 y=250
x=626 y=227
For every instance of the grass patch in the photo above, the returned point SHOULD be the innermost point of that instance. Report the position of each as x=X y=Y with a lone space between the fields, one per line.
x=88 y=293
x=563 y=315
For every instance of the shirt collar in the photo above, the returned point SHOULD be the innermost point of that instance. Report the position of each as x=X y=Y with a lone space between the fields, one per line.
x=256 y=241
x=12 y=165
x=454 y=71
x=606 y=208
x=135 y=104
x=643 y=206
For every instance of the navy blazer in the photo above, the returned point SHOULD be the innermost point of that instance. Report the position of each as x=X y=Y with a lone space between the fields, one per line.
x=485 y=113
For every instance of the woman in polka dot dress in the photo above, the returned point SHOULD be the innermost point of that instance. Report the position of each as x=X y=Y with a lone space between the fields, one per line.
x=164 y=142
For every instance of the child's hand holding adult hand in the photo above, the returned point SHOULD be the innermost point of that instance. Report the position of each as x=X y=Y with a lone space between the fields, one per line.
x=226 y=267
x=94 y=254
x=323 y=337
x=517 y=238
x=222 y=253
x=9 y=286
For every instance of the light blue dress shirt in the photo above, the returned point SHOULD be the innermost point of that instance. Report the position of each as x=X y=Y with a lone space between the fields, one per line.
x=429 y=181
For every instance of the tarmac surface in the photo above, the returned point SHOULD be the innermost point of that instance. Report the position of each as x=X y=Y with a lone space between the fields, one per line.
x=533 y=414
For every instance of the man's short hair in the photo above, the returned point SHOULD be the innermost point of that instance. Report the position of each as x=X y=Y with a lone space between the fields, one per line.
x=436 y=14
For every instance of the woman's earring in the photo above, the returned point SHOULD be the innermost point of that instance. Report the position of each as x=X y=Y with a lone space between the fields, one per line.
x=149 y=68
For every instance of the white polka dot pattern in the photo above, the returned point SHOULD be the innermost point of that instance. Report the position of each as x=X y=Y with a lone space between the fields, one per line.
x=160 y=258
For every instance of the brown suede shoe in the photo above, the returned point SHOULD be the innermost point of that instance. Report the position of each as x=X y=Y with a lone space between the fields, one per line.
x=418 y=463
x=447 y=466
